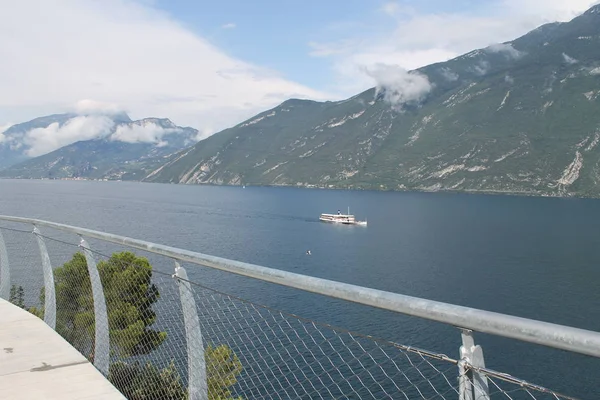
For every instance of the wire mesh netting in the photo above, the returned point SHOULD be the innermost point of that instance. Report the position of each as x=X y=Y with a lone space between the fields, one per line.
x=26 y=275
x=241 y=349
x=286 y=356
x=505 y=386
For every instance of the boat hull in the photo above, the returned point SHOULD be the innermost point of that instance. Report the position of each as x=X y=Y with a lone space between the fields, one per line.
x=341 y=219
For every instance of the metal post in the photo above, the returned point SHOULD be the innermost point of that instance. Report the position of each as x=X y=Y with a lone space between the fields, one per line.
x=197 y=386
x=472 y=384
x=4 y=270
x=50 y=302
x=102 y=342
x=465 y=391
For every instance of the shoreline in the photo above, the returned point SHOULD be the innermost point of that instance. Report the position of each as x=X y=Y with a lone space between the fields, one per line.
x=490 y=192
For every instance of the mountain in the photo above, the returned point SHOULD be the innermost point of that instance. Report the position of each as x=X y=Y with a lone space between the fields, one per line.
x=519 y=117
x=11 y=147
x=119 y=148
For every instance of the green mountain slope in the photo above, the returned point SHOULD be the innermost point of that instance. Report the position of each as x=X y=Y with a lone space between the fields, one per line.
x=520 y=117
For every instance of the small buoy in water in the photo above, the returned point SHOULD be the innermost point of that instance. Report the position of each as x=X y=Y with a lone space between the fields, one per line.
x=308 y=252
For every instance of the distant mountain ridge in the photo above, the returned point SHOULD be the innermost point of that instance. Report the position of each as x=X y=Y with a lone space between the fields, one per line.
x=516 y=117
x=119 y=148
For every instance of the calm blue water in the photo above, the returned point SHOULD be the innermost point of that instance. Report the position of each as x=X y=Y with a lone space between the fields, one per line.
x=531 y=257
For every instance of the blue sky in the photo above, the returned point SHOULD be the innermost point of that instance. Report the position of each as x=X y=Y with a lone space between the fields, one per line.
x=276 y=34
x=213 y=64
x=282 y=35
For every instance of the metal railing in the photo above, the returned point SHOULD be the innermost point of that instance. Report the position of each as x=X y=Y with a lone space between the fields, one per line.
x=156 y=333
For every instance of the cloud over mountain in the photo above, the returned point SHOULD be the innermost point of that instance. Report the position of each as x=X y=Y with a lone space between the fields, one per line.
x=43 y=140
x=125 y=52
x=412 y=37
x=399 y=86
x=142 y=132
x=506 y=49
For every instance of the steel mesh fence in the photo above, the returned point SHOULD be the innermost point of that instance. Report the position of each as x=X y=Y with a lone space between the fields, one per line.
x=248 y=350
x=504 y=386
x=286 y=356
x=144 y=320
x=26 y=275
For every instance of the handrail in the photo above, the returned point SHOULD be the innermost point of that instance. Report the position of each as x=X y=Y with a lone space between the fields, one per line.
x=544 y=333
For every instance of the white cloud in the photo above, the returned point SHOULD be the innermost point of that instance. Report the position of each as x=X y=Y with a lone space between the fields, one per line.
x=126 y=52
x=569 y=60
x=594 y=71
x=505 y=48
x=44 y=140
x=548 y=10
x=93 y=125
x=3 y=128
x=398 y=85
x=412 y=39
x=448 y=74
x=230 y=25
x=391 y=8
x=350 y=69
x=482 y=67
x=141 y=133
x=509 y=79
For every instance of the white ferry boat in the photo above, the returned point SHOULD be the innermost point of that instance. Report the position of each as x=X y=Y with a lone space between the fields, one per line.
x=339 y=218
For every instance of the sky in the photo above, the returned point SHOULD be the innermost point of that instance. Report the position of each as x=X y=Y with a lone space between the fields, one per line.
x=212 y=64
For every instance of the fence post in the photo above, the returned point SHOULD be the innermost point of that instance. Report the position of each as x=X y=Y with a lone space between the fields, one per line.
x=4 y=270
x=102 y=342
x=49 y=295
x=197 y=383
x=472 y=384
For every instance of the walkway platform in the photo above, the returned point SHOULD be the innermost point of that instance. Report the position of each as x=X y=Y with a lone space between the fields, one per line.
x=37 y=363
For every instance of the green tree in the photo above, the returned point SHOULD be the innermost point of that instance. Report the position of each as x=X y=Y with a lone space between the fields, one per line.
x=222 y=369
x=39 y=312
x=129 y=294
x=147 y=382
x=17 y=296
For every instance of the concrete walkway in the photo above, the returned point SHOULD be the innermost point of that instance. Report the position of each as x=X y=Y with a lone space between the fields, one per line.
x=37 y=363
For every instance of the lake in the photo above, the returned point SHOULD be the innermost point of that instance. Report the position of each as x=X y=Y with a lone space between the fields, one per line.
x=525 y=256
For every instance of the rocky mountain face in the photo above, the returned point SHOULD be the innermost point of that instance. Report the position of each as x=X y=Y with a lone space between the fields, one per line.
x=517 y=117
x=118 y=148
